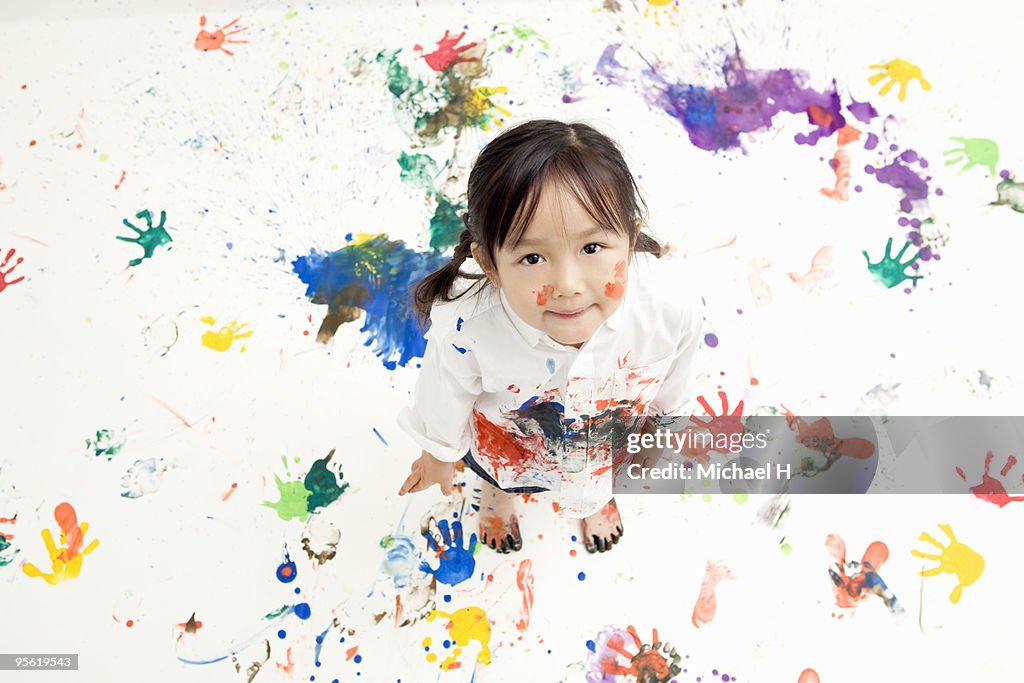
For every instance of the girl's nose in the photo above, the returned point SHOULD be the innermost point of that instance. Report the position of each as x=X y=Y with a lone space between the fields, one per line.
x=568 y=280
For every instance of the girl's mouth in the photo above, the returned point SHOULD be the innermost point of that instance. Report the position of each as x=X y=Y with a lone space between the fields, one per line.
x=570 y=314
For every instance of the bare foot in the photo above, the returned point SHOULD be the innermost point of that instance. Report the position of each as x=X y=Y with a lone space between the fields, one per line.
x=603 y=529
x=499 y=527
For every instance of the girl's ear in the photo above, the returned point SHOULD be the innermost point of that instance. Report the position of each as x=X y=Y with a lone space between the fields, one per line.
x=484 y=264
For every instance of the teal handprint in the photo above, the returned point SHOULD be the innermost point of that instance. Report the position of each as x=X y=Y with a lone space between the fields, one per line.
x=149 y=239
x=976 y=152
x=456 y=563
x=889 y=271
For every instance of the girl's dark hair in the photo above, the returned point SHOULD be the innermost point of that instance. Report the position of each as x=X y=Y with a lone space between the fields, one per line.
x=505 y=186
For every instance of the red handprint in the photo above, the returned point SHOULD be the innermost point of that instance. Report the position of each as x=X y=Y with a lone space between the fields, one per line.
x=207 y=41
x=4 y=273
x=991 y=489
x=725 y=423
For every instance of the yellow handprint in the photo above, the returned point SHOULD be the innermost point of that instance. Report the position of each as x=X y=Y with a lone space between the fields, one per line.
x=956 y=558
x=898 y=71
x=66 y=561
x=222 y=338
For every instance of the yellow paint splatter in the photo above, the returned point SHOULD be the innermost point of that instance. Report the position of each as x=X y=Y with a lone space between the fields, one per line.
x=479 y=103
x=956 y=558
x=466 y=624
x=65 y=561
x=898 y=71
x=656 y=10
x=222 y=338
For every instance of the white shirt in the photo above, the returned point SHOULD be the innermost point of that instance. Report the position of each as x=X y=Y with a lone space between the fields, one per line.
x=537 y=413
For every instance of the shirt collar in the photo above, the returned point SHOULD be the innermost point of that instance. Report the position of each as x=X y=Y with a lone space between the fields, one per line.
x=533 y=336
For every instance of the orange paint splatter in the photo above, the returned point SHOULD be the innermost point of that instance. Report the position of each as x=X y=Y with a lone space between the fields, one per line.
x=704 y=608
x=819 y=270
x=206 y=41
x=617 y=288
x=351 y=652
x=31 y=143
x=172 y=411
x=524 y=581
x=841 y=165
x=118 y=185
x=227 y=494
x=129 y=623
x=287 y=668
x=543 y=294
x=808 y=676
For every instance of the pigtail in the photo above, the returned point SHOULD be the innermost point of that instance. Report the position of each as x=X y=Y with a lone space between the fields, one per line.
x=437 y=286
x=647 y=244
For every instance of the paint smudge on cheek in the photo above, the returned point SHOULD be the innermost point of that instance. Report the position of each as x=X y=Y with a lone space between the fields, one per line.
x=543 y=294
x=617 y=287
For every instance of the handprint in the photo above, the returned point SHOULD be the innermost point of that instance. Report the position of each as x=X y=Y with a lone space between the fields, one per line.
x=956 y=558
x=465 y=625
x=479 y=104
x=149 y=239
x=726 y=423
x=976 y=152
x=66 y=561
x=889 y=272
x=455 y=562
x=898 y=71
x=446 y=53
x=206 y=41
x=990 y=488
x=222 y=338
x=863 y=579
x=656 y=662
x=4 y=273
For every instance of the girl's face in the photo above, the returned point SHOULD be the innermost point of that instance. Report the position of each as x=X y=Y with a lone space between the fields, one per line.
x=567 y=275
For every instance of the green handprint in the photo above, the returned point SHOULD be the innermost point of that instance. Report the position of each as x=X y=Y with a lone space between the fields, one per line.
x=889 y=271
x=976 y=151
x=149 y=239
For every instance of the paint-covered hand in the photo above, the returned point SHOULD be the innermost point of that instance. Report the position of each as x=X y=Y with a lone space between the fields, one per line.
x=455 y=562
x=427 y=471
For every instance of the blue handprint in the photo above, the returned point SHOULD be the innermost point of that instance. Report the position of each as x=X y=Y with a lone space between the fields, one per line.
x=456 y=563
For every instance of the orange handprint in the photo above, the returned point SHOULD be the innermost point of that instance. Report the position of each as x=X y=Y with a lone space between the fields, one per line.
x=898 y=71
x=207 y=41
x=956 y=558
x=66 y=561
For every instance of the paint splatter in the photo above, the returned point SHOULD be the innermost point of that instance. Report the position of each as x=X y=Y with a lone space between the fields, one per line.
x=617 y=288
x=543 y=294
x=105 y=444
x=4 y=282
x=372 y=274
x=206 y=41
x=65 y=561
x=298 y=499
x=841 y=165
x=144 y=477
x=618 y=652
x=889 y=272
x=150 y=238
x=286 y=571
x=991 y=489
x=808 y=676
x=221 y=339
x=465 y=625
x=658 y=9
x=7 y=551
x=518 y=33
x=704 y=608
x=455 y=560
x=1010 y=193
x=819 y=272
x=447 y=54
x=524 y=581
x=897 y=71
x=320 y=540
x=955 y=558
x=973 y=152
x=863 y=579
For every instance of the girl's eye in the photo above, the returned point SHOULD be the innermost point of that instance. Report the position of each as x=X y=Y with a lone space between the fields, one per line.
x=592 y=248
x=530 y=259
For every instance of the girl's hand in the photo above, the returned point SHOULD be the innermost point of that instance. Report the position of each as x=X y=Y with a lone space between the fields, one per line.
x=427 y=471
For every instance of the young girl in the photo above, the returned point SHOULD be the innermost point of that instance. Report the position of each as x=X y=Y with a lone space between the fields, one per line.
x=576 y=329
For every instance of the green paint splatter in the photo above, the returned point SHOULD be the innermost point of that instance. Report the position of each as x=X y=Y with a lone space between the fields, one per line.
x=150 y=238
x=277 y=613
x=276 y=137
x=106 y=444
x=889 y=272
x=974 y=152
x=1010 y=193
x=293 y=501
x=4 y=546
x=103 y=156
x=386 y=541
x=283 y=66
x=522 y=35
x=786 y=549
x=740 y=497
x=291 y=14
x=322 y=484
x=419 y=170
x=446 y=225
x=399 y=82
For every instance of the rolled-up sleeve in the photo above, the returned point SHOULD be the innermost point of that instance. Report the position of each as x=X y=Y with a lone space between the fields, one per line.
x=446 y=390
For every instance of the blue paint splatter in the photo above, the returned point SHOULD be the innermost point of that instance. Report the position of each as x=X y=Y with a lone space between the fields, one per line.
x=379 y=436
x=286 y=571
x=302 y=610
x=459 y=348
x=551 y=365
x=458 y=325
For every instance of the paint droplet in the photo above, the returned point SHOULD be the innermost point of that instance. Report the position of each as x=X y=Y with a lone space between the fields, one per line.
x=740 y=497
x=286 y=571
x=275 y=136
x=739 y=311
x=281 y=634
x=786 y=549
x=283 y=66
x=129 y=623
x=591 y=646
x=572 y=553
x=892 y=355
x=447 y=598
x=710 y=339
x=302 y=610
x=581 y=576
x=357 y=659
x=31 y=143
x=230 y=245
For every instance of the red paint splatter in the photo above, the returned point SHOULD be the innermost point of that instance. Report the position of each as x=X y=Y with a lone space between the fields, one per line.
x=524 y=581
x=227 y=494
x=31 y=143
x=818 y=436
x=841 y=165
x=129 y=623
x=506 y=450
x=118 y=185
x=4 y=282
x=850 y=591
x=991 y=489
x=446 y=53
x=704 y=608
x=287 y=668
x=617 y=288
